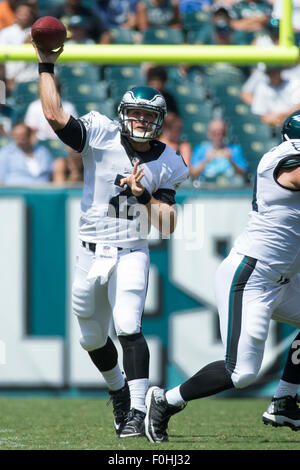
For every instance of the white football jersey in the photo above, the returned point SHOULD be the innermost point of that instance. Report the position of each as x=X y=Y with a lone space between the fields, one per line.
x=110 y=213
x=272 y=234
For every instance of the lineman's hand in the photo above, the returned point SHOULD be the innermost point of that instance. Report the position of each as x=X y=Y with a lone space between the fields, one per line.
x=47 y=57
x=133 y=181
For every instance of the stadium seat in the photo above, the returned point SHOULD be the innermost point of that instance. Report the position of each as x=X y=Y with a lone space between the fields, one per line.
x=163 y=36
x=223 y=74
x=55 y=147
x=242 y=38
x=124 y=36
x=19 y=113
x=194 y=75
x=190 y=110
x=124 y=73
x=226 y=95
x=196 y=117
x=122 y=78
x=238 y=111
x=195 y=132
x=195 y=20
x=89 y=73
x=24 y=93
x=198 y=36
x=83 y=91
x=253 y=151
x=45 y=6
x=252 y=130
x=187 y=91
x=107 y=107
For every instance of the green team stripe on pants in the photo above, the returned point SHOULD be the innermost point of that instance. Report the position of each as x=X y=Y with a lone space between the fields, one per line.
x=238 y=284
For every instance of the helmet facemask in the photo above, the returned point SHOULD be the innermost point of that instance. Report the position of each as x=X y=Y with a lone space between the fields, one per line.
x=153 y=128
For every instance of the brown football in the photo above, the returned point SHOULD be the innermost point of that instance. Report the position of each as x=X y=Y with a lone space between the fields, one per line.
x=48 y=33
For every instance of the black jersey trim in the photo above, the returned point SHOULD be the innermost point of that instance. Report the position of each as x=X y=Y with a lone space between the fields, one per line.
x=154 y=153
x=165 y=195
x=254 y=196
x=73 y=134
x=290 y=161
x=235 y=309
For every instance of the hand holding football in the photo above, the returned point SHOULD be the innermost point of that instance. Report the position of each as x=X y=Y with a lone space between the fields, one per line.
x=48 y=33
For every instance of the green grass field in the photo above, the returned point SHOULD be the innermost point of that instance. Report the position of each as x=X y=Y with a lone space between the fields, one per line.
x=86 y=424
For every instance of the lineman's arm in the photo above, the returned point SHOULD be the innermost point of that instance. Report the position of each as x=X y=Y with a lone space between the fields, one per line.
x=50 y=98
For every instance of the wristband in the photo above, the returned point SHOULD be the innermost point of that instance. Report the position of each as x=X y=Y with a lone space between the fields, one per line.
x=144 y=198
x=46 y=67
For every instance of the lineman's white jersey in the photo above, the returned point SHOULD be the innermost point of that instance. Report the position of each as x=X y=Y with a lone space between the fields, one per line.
x=104 y=158
x=272 y=234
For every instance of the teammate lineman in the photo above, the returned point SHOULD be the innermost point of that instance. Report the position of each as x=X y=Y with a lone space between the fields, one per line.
x=130 y=179
x=259 y=280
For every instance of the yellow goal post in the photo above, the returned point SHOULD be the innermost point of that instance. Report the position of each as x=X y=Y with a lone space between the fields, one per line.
x=286 y=53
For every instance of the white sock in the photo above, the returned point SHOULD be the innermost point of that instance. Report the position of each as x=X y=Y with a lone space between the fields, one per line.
x=138 y=389
x=114 y=378
x=174 y=397
x=286 y=388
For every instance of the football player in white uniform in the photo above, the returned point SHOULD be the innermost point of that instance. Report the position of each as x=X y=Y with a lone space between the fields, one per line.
x=130 y=180
x=259 y=280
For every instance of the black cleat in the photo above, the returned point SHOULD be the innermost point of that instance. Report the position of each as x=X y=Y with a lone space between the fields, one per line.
x=134 y=425
x=158 y=414
x=283 y=411
x=121 y=406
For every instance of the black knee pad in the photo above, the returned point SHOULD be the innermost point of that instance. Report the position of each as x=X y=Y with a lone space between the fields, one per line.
x=135 y=356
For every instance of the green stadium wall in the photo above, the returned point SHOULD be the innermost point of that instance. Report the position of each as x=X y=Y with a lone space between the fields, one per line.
x=39 y=347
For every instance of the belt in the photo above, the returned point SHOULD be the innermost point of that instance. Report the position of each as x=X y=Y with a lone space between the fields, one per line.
x=92 y=246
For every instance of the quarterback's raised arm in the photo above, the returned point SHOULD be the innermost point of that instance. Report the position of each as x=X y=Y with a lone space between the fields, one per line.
x=50 y=98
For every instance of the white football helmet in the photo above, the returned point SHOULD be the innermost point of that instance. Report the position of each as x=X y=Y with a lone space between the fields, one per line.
x=143 y=97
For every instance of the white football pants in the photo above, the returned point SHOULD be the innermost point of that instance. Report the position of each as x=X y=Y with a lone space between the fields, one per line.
x=121 y=298
x=248 y=295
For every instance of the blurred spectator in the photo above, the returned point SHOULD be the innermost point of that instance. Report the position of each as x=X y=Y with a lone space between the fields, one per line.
x=219 y=30
x=6 y=118
x=69 y=169
x=97 y=30
x=78 y=28
x=7 y=13
x=19 y=33
x=257 y=76
x=22 y=163
x=157 y=77
x=157 y=13
x=35 y=119
x=185 y=72
x=269 y=36
x=275 y=97
x=218 y=161
x=116 y=13
x=250 y=15
x=193 y=6
x=172 y=135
